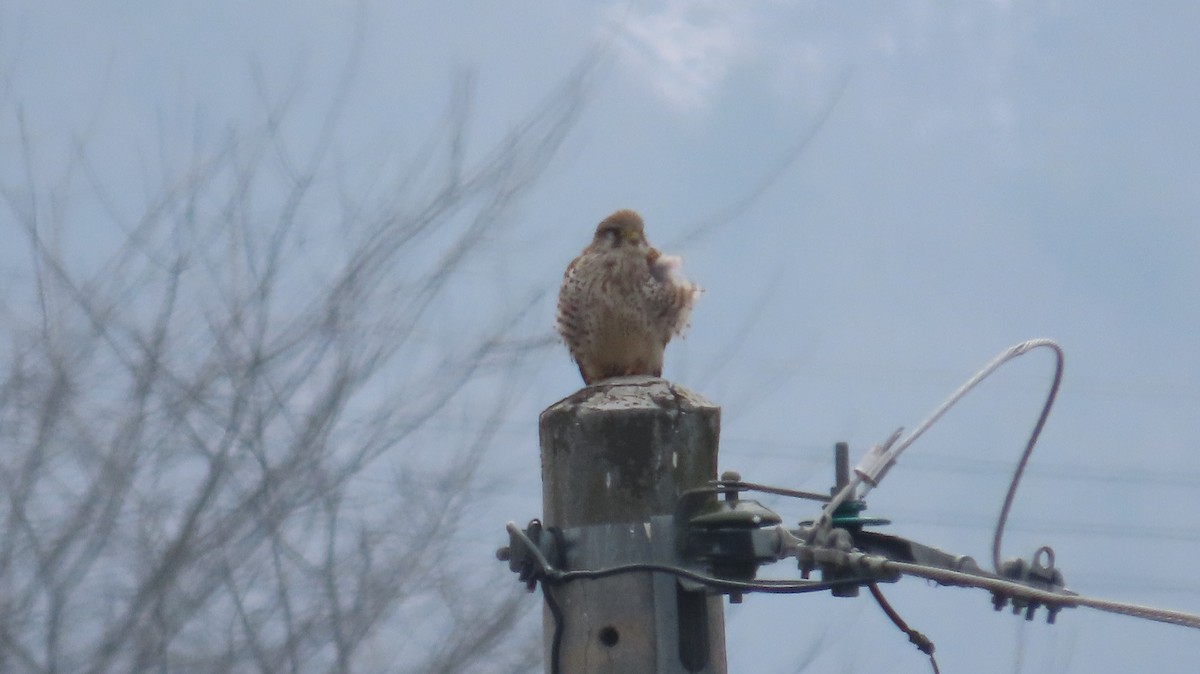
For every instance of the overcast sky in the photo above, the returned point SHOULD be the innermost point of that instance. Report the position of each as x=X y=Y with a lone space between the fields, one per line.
x=986 y=172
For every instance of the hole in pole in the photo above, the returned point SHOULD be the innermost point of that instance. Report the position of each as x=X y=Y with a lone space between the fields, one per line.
x=609 y=636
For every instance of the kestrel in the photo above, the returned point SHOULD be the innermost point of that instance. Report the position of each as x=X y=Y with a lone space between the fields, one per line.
x=621 y=301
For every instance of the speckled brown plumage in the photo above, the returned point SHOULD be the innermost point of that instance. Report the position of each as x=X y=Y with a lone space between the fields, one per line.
x=621 y=301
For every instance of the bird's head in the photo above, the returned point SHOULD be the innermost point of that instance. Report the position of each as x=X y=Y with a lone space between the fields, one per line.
x=623 y=228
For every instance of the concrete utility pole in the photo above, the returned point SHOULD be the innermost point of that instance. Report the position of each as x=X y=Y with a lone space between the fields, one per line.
x=615 y=457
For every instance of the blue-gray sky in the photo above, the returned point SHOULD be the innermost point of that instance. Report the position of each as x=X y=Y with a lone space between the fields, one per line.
x=989 y=172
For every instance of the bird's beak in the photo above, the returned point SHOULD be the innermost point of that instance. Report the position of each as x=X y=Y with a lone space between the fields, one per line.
x=631 y=235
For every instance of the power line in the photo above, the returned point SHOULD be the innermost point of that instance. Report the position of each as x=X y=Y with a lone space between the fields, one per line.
x=941 y=462
x=720 y=545
x=948 y=577
x=1109 y=529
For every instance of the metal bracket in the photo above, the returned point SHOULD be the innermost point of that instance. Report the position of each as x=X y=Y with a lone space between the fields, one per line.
x=731 y=537
x=1040 y=573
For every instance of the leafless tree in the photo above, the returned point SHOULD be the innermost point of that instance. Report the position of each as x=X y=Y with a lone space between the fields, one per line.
x=214 y=413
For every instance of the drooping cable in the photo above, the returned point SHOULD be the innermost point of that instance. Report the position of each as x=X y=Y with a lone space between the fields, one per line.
x=546 y=572
x=1009 y=496
x=881 y=458
x=550 y=578
x=559 y=627
x=922 y=642
x=558 y=578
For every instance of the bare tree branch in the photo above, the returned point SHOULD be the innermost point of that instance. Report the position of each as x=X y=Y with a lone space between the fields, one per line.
x=194 y=421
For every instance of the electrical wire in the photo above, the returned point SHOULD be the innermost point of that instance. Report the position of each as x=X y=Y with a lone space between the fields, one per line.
x=944 y=462
x=550 y=577
x=732 y=486
x=559 y=625
x=555 y=578
x=1011 y=494
x=1050 y=599
x=892 y=453
x=769 y=586
x=546 y=572
x=1053 y=601
x=922 y=642
x=547 y=575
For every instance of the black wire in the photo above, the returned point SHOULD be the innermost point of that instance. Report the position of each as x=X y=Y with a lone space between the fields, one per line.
x=559 y=627
x=922 y=642
x=998 y=536
x=731 y=486
x=552 y=577
x=547 y=572
x=768 y=586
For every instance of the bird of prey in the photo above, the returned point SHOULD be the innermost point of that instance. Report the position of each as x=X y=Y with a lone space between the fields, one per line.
x=621 y=301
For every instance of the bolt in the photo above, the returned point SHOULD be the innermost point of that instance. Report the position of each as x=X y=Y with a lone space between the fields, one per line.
x=731 y=476
x=841 y=465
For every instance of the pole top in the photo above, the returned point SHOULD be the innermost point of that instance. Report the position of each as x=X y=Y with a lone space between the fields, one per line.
x=632 y=392
x=624 y=449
